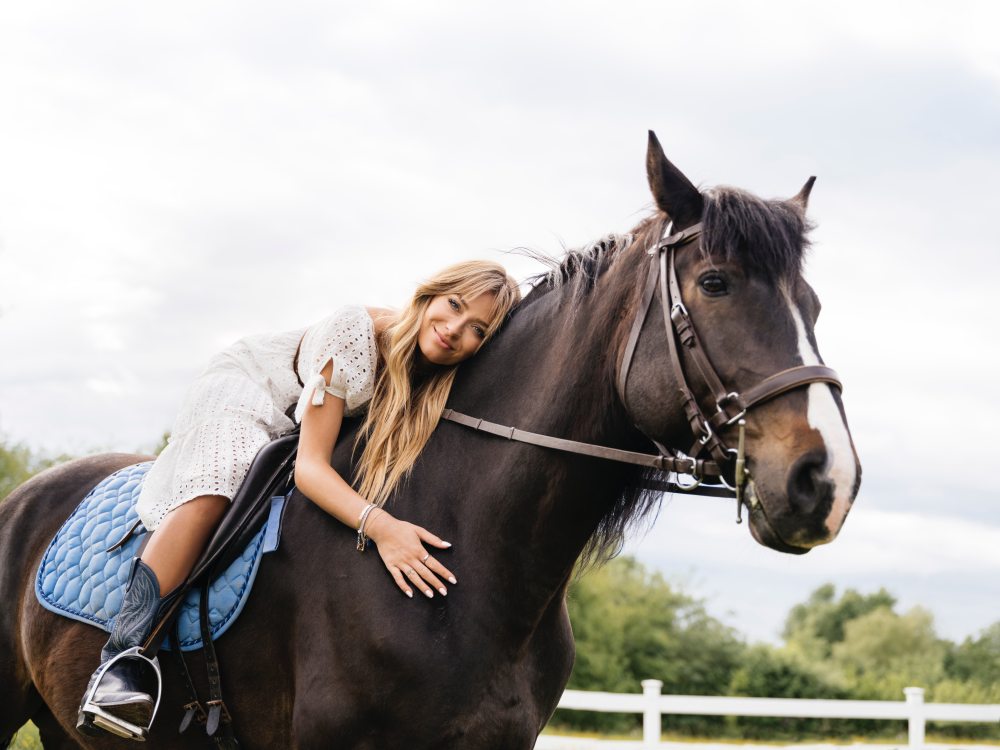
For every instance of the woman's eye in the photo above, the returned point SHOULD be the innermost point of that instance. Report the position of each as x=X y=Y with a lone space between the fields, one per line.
x=454 y=304
x=714 y=285
x=479 y=332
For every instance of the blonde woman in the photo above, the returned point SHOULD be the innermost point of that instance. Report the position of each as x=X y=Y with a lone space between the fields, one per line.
x=397 y=367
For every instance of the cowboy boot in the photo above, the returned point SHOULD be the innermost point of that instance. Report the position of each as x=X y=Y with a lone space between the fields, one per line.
x=123 y=693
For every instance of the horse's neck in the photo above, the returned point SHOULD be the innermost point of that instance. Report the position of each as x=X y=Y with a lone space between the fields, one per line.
x=531 y=510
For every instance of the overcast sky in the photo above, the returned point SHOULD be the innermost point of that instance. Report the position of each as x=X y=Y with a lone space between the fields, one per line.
x=175 y=176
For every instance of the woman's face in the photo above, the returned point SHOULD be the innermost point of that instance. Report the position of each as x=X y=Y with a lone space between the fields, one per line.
x=453 y=328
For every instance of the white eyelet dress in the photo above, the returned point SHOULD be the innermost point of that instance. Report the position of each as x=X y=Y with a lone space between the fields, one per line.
x=238 y=404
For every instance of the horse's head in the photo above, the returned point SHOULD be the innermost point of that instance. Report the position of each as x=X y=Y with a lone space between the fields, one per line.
x=741 y=282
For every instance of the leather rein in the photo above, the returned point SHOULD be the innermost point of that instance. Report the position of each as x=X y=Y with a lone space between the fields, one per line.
x=731 y=406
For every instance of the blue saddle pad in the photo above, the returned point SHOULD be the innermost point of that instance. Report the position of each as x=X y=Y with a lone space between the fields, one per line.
x=78 y=578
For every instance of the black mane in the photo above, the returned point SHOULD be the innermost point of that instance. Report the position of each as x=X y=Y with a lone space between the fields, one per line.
x=768 y=236
x=580 y=266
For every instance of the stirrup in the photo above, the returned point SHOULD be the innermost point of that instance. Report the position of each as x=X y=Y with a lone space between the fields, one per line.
x=92 y=716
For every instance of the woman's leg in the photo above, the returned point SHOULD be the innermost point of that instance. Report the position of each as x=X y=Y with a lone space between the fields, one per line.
x=125 y=693
x=174 y=547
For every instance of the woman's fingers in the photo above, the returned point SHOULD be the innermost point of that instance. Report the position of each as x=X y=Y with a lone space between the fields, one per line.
x=397 y=576
x=411 y=573
x=430 y=538
x=440 y=569
x=427 y=575
x=409 y=562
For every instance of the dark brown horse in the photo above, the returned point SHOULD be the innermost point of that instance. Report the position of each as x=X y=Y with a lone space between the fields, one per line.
x=329 y=653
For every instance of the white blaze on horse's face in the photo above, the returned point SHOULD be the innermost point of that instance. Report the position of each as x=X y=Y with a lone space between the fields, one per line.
x=825 y=417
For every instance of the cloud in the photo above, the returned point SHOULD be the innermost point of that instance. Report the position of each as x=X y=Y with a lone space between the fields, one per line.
x=169 y=186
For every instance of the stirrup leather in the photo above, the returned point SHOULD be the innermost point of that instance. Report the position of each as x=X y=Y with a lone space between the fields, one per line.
x=101 y=718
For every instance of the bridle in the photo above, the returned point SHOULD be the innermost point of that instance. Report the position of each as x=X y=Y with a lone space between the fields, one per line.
x=731 y=406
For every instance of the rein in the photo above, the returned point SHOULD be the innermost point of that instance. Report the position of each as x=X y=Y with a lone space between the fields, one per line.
x=731 y=406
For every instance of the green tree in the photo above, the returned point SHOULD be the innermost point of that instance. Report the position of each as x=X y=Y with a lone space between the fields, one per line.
x=815 y=626
x=630 y=625
x=977 y=659
x=767 y=672
x=882 y=652
x=15 y=466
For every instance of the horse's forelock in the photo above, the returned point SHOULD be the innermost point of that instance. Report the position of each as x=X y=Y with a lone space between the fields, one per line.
x=770 y=237
x=766 y=236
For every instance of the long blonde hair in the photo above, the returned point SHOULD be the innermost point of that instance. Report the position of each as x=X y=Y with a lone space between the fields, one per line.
x=404 y=409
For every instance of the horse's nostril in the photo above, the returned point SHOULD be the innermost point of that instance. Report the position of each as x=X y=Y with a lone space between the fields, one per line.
x=808 y=487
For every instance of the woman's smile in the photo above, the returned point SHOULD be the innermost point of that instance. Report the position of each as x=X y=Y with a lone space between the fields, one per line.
x=453 y=328
x=444 y=343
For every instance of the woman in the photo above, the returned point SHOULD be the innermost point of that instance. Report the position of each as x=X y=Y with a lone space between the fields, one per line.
x=400 y=366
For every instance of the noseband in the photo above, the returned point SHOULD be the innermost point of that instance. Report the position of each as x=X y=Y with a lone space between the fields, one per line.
x=731 y=406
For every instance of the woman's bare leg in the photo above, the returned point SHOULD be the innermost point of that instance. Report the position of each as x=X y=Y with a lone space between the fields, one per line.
x=173 y=548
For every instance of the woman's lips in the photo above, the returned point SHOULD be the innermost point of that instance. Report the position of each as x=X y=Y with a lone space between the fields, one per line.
x=441 y=340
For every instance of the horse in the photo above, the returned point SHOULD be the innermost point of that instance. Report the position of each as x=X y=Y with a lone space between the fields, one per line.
x=328 y=652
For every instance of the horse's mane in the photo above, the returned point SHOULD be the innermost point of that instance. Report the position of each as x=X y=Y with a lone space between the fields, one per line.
x=768 y=236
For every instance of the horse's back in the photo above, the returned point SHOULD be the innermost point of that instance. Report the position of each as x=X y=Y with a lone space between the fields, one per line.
x=29 y=518
x=32 y=513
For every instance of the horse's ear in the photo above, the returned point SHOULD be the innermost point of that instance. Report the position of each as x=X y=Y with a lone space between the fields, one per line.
x=674 y=193
x=802 y=197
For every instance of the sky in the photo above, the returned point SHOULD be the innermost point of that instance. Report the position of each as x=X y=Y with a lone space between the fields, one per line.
x=175 y=176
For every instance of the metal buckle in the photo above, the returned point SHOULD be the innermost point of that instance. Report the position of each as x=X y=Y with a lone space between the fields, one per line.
x=679 y=306
x=694 y=475
x=708 y=433
x=731 y=396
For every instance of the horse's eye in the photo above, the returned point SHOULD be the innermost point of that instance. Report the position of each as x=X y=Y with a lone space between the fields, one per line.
x=713 y=285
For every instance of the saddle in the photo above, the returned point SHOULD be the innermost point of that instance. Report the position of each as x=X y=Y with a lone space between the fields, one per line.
x=82 y=578
x=271 y=474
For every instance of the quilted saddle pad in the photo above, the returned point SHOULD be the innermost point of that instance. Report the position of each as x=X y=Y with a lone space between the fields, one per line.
x=80 y=579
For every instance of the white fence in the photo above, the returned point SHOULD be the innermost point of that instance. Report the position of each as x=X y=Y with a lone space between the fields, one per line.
x=652 y=705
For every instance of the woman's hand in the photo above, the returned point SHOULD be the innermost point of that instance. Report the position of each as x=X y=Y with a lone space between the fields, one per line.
x=401 y=547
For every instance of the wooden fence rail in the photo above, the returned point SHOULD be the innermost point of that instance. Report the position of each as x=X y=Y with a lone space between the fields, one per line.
x=653 y=706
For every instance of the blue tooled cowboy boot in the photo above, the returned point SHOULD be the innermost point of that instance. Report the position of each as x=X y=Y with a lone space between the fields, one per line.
x=123 y=693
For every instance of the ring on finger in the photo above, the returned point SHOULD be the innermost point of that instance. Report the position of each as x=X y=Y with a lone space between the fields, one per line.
x=424 y=558
x=410 y=571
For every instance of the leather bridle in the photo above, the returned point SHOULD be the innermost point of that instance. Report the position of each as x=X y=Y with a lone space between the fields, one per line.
x=731 y=406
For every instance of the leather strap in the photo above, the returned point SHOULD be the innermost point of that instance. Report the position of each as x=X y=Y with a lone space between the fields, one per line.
x=126 y=536
x=679 y=327
x=790 y=379
x=637 y=323
x=218 y=715
x=193 y=709
x=652 y=460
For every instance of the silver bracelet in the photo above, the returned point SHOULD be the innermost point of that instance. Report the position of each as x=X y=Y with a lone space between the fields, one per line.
x=362 y=539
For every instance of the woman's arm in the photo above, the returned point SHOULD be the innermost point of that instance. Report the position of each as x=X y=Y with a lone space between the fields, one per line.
x=400 y=544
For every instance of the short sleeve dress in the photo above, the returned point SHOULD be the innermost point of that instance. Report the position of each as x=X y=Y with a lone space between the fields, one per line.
x=239 y=403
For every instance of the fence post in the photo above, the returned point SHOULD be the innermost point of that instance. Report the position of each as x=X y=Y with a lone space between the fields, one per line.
x=651 y=714
x=915 y=704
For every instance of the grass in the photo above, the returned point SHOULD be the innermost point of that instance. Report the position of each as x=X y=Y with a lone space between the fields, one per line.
x=27 y=738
